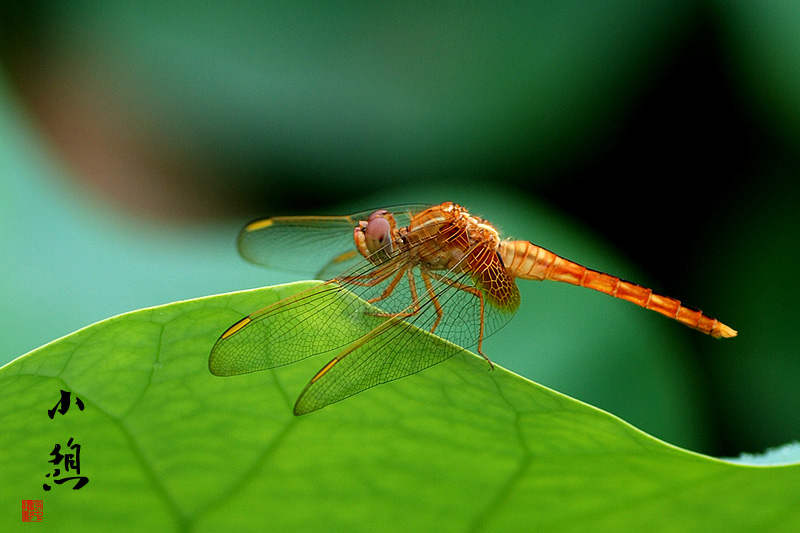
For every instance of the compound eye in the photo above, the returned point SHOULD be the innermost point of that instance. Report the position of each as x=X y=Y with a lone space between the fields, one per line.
x=378 y=233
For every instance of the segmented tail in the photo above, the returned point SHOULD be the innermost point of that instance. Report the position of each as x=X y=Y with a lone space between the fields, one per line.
x=525 y=260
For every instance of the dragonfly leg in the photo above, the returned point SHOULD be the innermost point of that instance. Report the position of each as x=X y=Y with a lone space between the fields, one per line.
x=390 y=289
x=479 y=295
x=414 y=308
x=437 y=306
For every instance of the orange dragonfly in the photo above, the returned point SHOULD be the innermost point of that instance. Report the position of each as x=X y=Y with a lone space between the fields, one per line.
x=417 y=269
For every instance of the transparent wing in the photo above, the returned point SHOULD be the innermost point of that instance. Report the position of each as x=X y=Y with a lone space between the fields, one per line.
x=320 y=246
x=382 y=314
x=290 y=330
x=393 y=350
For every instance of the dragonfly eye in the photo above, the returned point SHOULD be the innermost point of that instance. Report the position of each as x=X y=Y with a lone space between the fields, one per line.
x=378 y=233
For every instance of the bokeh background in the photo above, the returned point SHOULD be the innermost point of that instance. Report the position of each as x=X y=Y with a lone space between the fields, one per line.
x=656 y=140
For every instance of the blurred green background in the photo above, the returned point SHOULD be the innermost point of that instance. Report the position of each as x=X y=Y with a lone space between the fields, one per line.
x=657 y=141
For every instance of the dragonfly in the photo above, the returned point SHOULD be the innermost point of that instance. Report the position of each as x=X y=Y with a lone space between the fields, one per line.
x=394 y=277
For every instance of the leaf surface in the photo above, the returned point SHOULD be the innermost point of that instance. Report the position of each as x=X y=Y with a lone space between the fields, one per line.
x=169 y=447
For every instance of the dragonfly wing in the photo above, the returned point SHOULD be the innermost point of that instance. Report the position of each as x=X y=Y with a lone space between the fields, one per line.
x=295 y=328
x=393 y=350
x=291 y=330
x=339 y=264
x=298 y=244
x=320 y=246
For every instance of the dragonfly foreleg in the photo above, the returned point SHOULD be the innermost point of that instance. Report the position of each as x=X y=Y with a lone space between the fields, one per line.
x=413 y=309
x=391 y=287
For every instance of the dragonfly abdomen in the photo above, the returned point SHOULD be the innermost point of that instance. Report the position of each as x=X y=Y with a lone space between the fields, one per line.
x=528 y=261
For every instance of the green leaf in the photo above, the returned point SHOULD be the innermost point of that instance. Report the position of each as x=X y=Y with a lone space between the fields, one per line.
x=167 y=446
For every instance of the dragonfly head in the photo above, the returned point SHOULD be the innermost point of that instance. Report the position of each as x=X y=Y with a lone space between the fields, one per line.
x=374 y=237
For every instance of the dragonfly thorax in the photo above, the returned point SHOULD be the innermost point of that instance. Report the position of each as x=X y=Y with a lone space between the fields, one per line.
x=476 y=230
x=442 y=236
